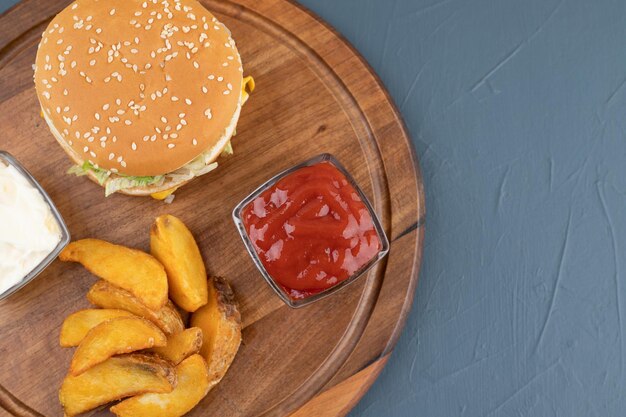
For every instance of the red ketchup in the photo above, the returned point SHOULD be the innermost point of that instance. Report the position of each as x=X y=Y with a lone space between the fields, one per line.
x=311 y=230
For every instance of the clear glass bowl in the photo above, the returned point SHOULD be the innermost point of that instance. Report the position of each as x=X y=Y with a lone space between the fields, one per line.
x=7 y=159
x=237 y=217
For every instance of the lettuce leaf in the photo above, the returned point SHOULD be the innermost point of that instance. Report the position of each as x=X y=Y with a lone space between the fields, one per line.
x=228 y=149
x=101 y=174
x=121 y=182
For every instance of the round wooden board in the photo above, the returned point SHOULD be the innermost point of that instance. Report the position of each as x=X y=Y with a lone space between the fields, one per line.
x=314 y=94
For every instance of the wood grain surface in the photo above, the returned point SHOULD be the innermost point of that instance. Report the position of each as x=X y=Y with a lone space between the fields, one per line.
x=314 y=94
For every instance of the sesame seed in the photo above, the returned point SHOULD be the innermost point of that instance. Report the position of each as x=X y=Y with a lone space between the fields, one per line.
x=92 y=62
x=174 y=98
x=195 y=142
x=163 y=119
x=105 y=107
x=93 y=154
x=204 y=89
x=86 y=149
x=128 y=122
x=171 y=145
x=97 y=116
x=220 y=79
x=211 y=77
x=226 y=92
x=230 y=86
x=134 y=146
x=188 y=101
x=65 y=92
x=208 y=114
x=123 y=163
x=112 y=12
x=196 y=65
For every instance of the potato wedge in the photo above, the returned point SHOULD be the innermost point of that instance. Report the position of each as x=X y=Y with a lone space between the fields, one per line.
x=193 y=385
x=180 y=346
x=106 y=295
x=113 y=337
x=76 y=325
x=130 y=269
x=173 y=245
x=116 y=378
x=220 y=322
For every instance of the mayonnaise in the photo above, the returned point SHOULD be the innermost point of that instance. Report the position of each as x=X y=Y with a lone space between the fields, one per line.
x=28 y=230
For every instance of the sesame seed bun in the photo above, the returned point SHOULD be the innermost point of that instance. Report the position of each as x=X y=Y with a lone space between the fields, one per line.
x=139 y=88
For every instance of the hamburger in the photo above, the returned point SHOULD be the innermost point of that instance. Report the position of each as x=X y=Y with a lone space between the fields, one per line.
x=143 y=95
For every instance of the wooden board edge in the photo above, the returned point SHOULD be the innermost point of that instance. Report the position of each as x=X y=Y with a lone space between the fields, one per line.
x=340 y=399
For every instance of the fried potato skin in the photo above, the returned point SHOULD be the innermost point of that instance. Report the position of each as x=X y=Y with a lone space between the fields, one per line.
x=106 y=295
x=76 y=326
x=113 y=337
x=174 y=246
x=130 y=269
x=116 y=378
x=220 y=322
x=180 y=345
x=193 y=385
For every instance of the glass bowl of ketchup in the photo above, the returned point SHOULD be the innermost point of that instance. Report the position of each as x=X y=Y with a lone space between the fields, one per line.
x=310 y=230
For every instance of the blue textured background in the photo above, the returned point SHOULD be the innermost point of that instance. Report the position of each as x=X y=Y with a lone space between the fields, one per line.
x=516 y=109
